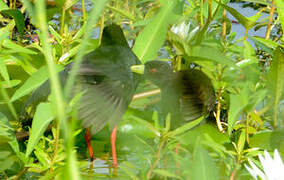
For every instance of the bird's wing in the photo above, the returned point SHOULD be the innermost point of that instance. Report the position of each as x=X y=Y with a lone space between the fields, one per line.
x=102 y=103
x=197 y=94
x=108 y=85
x=191 y=107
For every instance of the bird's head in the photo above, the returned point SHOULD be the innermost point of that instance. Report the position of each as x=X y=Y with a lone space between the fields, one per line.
x=113 y=35
x=157 y=72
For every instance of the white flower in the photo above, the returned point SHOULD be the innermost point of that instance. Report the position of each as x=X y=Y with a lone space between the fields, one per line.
x=273 y=169
x=181 y=29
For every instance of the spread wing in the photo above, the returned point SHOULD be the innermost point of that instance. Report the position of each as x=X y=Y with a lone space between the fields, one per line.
x=101 y=104
x=197 y=96
x=108 y=86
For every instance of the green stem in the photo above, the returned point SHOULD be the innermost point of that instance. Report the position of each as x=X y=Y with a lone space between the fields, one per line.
x=54 y=79
x=62 y=22
x=84 y=11
x=56 y=138
x=247 y=127
x=201 y=13
x=158 y=157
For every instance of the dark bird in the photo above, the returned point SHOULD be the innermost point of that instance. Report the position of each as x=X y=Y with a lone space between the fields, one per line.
x=186 y=94
x=107 y=84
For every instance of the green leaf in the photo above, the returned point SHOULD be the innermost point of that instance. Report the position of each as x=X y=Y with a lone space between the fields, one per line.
x=268 y=140
x=3 y=5
x=10 y=84
x=203 y=167
x=249 y=54
x=246 y=22
x=18 y=17
x=196 y=53
x=237 y=103
x=4 y=33
x=122 y=12
x=166 y=173
x=147 y=124
x=5 y=129
x=30 y=8
x=151 y=39
x=241 y=141
x=33 y=82
x=69 y=3
x=280 y=11
x=264 y=2
x=43 y=117
x=55 y=34
x=267 y=42
x=185 y=127
x=129 y=169
x=4 y=71
x=16 y=48
x=275 y=82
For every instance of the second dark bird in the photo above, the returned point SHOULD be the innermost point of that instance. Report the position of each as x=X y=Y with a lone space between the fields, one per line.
x=186 y=95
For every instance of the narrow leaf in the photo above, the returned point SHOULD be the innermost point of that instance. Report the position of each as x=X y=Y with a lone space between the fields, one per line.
x=17 y=16
x=16 y=48
x=146 y=124
x=203 y=167
x=236 y=107
x=4 y=71
x=151 y=39
x=3 y=5
x=33 y=82
x=185 y=127
x=280 y=11
x=275 y=82
x=196 y=53
x=246 y=22
x=166 y=173
x=43 y=116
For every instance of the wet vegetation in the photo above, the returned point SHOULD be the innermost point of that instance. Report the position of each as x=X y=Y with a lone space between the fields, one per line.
x=38 y=38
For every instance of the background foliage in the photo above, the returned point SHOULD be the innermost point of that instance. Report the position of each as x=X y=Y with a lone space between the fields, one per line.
x=37 y=38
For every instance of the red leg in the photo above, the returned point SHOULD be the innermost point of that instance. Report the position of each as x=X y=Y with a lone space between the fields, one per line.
x=112 y=139
x=88 y=141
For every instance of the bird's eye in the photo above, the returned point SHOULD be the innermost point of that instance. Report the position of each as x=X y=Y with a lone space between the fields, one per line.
x=153 y=70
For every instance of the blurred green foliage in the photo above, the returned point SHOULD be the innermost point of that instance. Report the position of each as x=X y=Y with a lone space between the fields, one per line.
x=248 y=81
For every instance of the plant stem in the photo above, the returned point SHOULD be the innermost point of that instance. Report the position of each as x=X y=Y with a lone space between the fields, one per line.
x=232 y=177
x=56 y=138
x=224 y=25
x=209 y=9
x=271 y=13
x=158 y=157
x=246 y=34
x=146 y=94
x=201 y=13
x=54 y=79
x=62 y=22
x=247 y=127
x=101 y=29
x=218 y=121
x=84 y=11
